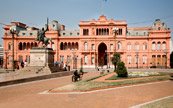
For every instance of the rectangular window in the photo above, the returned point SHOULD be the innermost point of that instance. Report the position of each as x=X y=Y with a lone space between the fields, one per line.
x=20 y=59
x=85 y=31
x=129 y=47
x=144 y=46
x=111 y=45
x=28 y=59
x=129 y=59
x=120 y=31
x=93 y=47
x=137 y=47
x=69 y=59
x=144 y=59
x=62 y=59
x=85 y=46
x=86 y=59
x=92 y=60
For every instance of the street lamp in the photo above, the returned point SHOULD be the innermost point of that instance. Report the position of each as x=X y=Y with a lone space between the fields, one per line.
x=115 y=29
x=166 y=52
x=137 y=58
x=6 y=53
x=13 y=31
x=74 y=52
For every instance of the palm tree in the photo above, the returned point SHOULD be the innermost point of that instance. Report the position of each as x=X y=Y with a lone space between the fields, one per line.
x=115 y=59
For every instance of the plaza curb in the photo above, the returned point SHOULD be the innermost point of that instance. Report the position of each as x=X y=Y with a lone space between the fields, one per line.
x=36 y=78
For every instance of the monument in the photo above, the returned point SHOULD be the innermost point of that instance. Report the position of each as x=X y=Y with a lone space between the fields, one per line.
x=42 y=56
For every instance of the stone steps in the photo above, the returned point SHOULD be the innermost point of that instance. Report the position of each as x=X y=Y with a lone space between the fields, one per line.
x=38 y=69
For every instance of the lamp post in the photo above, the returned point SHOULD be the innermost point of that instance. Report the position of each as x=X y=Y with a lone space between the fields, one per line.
x=13 y=31
x=166 y=52
x=74 y=52
x=137 y=58
x=115 y=31
x=6 y=53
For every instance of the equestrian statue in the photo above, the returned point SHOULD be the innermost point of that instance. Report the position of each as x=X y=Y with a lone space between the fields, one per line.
x=41 y=36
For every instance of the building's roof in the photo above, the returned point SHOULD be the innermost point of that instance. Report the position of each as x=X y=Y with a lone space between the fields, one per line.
x=157 y=23
x=27 y=33
x=54 y=25
x=131 y=32
x=74 y=32
x=23 y=30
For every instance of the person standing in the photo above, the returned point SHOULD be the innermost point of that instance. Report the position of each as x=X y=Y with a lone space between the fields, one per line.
x=22 y=64
x=65 y=67
x=68 y=66
x=26 y=63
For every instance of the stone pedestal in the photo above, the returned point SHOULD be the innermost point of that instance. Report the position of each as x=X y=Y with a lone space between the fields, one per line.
x=41 y=57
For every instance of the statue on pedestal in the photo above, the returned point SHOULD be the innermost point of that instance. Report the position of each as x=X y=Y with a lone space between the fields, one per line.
x=41 y=36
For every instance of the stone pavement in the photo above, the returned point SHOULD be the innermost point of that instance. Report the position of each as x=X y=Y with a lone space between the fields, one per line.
x=27 y=95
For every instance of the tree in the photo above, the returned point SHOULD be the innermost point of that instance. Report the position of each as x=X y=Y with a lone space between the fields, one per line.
x=115 y=59
x=121 y=70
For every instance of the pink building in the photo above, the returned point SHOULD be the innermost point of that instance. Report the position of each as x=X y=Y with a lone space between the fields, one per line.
x=93 y=44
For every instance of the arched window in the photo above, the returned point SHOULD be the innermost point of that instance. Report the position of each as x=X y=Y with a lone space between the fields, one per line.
x=65 y=46
x=97 y=31
x=61 y=46
x=137 y=46
x=144 y=46
x=85 y=46
x=129 y=46
x=164 y=45
x=159 y=28
x=32 y=45
x=20 y=46
x=158 y=45
x=153 y=46
x=24 y=46
x=9 y=46
x=119 y=45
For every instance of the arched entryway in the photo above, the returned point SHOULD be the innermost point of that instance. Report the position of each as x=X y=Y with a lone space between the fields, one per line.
x=102 y=55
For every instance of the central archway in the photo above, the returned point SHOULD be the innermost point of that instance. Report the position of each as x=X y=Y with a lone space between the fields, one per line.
x=102 y=55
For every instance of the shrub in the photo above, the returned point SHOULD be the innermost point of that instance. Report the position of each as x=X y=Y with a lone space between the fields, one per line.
x=121 y=70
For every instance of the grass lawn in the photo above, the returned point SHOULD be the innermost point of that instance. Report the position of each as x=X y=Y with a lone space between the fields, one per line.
x=114 y=77
x=88 y=84
x=165 y=103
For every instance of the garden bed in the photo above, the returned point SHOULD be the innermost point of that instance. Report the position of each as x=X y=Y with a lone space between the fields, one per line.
x=88 y=84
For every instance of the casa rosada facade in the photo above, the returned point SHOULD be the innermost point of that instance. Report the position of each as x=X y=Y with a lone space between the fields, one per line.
x=94 y=43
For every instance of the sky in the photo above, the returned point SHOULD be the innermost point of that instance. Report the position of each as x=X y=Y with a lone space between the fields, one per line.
x=137 y=13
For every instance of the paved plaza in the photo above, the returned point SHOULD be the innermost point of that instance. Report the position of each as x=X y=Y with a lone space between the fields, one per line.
x=27 y=95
